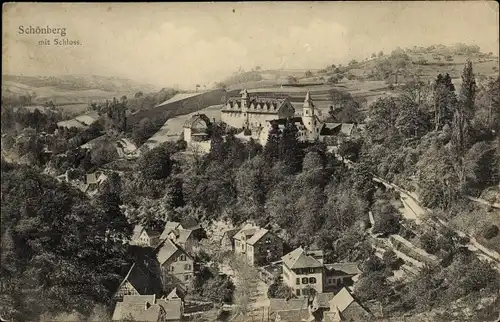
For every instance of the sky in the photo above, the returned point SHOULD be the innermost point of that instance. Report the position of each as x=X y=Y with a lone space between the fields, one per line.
x=184 y=44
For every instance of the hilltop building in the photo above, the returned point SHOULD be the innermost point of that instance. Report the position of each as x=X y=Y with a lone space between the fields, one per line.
x=247 y=112
x=260 y=115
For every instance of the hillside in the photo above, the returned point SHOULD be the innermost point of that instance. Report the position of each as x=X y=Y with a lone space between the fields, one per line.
x=67 y=90
x=424 y=62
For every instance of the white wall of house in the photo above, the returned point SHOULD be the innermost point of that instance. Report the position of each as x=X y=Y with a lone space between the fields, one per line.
x=300 y=279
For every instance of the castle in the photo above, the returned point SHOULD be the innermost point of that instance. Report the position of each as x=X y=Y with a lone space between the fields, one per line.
x=260 y=114
x=257 y=116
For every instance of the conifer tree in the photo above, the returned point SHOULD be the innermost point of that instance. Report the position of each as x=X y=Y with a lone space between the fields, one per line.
x=468 y=90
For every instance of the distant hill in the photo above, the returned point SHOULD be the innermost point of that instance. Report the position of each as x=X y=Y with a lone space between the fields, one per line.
x=424 y=62
x=68 y=90
x=82 y=82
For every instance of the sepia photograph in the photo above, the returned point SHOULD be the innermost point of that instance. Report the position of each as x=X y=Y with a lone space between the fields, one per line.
x=270 y=161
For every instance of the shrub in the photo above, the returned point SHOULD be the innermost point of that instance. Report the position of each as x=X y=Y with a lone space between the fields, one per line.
x=490 y=232
x=448 y=58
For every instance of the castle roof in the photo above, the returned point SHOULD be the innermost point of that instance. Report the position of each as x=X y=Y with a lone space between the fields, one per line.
x=256 y=104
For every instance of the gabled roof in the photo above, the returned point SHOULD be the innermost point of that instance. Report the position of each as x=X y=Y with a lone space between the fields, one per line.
x=342 y=300
x=194 y=118
x=342 y=269
x=174 y=294
x=137 y=308
x=142 y=280
x=257 y=236
x=137 y=232
x=167 y=249
x=246 y=231
x=299 y=259
x=324 y=299
x=183 y=235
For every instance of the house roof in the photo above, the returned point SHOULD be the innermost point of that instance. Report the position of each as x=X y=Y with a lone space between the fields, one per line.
x=294 y=315
x=173 y=308
x=138 y=309
x=298 y=258
x=133 y=299
x=261 y=232
x=246 y=231
x=195 y=117
x=276 y=305
x=137 y=232
x=174 y=294
x=347 y=128
x=179 y=97
x=259 y=104
x=169 y=226
x=324 y=299
x=167 y=249
x=88 y=119
x=70 y=123
x=183 y=235
x=141 y=279
x=342 y=300
x=342 y=269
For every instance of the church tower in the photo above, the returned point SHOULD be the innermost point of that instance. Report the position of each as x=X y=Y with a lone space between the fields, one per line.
x=309 y=117
x=244 y=108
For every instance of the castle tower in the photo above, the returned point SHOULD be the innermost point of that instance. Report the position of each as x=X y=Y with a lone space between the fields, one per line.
x=244 y=108
x=309 y=116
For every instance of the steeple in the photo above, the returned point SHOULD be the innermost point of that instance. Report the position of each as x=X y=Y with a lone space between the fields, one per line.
x=308 y=107
x=308 y=103
x=244 y=107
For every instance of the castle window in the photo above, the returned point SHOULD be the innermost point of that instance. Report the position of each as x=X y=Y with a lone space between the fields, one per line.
x=297 y=292
x=297 y=281
x=304 y=280
x=306 y=112
x=312 y=280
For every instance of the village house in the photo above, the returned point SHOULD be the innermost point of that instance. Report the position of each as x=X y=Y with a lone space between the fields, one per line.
x=144 y=237
x=139 y=280
x=292 y=310
x=304 y=270
x=148 y=308
x=186 y=234
x=343 y=307
x=258 y=245
x=227 y=240
x=177 y=265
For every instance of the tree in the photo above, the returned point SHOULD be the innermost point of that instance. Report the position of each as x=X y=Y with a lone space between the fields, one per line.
x=387 y=218
x=103 y=152
x=155 y=164
x=380 y=53
x=143 y=131
x=59 y=241
x=278 y=290
x=444 y=100
x=468 y=91
x=374 y=55
x=290 y=152
x=219 y=290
